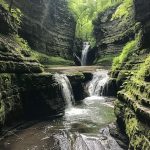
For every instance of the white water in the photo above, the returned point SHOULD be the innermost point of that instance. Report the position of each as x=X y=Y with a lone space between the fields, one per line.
x=96 y=85
x=47 y=4
x=66 y=88
x=85 y=51
x=80 y=127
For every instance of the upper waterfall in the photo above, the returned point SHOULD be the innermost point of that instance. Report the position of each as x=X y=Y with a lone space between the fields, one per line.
x=98 y=82
x=85 y=51
x=47 y=4
x=66 y=88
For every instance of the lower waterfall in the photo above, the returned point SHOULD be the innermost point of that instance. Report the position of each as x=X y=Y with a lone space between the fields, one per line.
x=96 y=85
x=83 y=126
x=66 y=88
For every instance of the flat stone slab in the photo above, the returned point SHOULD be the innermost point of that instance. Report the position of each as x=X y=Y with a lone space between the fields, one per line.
x=74 y=69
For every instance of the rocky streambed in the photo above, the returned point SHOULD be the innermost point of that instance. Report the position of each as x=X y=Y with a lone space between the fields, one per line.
x=87 y=123
x=82 y=127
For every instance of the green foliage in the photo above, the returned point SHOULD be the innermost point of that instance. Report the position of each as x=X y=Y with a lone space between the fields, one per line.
x=4 y=4
x=16 y=13
x=85 y=11
x=136 y=131
x=24 y=49
x=21 y=42
x=144 y=69
x=51 y=60
x=105 y=60
x=22 y=46
x=123 y=10
x=127 y=50
x=131 y=126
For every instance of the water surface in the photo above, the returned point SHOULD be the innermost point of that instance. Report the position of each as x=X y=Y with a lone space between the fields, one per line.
x=78 y=129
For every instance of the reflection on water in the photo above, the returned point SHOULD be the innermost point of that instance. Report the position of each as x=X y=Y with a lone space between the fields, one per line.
x=79 y=129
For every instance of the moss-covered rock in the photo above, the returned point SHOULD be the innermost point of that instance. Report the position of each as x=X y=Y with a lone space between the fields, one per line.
x=112 y=31
x=25 y=90
x=131 y=70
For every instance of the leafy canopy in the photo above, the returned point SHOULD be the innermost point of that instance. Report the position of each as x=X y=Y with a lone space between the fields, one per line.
x=85 y=11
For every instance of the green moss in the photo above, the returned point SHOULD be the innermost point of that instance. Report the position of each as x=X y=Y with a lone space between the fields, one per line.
x=16 y=13
x=137 y=132
x=123 y=10
x=137 y=87
x=24 y=49
x=144 y=69
x=21 y=42
x=4 y=4
x=21 y=46
x=131 y=126
x=51 y=60
x=106 y=60
x=122 y=76
x=127 y=50
x=118 y=107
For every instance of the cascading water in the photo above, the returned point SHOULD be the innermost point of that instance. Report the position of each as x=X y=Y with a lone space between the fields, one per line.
x=66 y=88
x=47 y=4
x=85 y=51
x=81 y=127
x=97 y=84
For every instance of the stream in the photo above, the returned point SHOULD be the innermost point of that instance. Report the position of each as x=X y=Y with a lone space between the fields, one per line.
x=84 y=125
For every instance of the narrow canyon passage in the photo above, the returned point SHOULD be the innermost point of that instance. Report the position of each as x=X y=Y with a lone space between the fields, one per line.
x=74 y=75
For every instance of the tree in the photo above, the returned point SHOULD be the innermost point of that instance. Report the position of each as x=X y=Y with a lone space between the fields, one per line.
x=84 y=12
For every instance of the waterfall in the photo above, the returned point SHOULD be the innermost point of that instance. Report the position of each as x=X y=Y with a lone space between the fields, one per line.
x=45 y=11
x=66 y=88
x=85 y=51
x=96 y=85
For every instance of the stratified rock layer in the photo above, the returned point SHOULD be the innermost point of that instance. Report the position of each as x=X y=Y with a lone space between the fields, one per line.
x=111 y=35
x=25 y=90
x=131 y=73
x=48 y=26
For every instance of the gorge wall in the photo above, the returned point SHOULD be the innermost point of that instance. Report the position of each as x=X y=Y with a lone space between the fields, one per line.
x=128 y=33
x=111 y=34
x=48 y=26
x=25 y=90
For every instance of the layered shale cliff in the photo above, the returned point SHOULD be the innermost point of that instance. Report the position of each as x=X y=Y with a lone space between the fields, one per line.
x=128 y=32
x=25 y=90
x=111 y=34
x=48 y=26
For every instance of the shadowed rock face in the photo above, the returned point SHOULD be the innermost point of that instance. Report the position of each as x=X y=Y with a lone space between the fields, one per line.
x=143 y=15
x=132 y=106
x=112 y=35
x=130 y=78
x=25 y=91
x=48 y=26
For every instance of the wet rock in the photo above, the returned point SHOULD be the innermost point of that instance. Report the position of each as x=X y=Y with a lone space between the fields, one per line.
x=131 y=77
x=111 y=35
x=110 y=88
x=77 y=83
x=8 y=24
x=25 y=91
x=91 y=56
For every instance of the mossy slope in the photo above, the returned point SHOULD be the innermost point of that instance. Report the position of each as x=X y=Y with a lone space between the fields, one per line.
x=131 y=71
